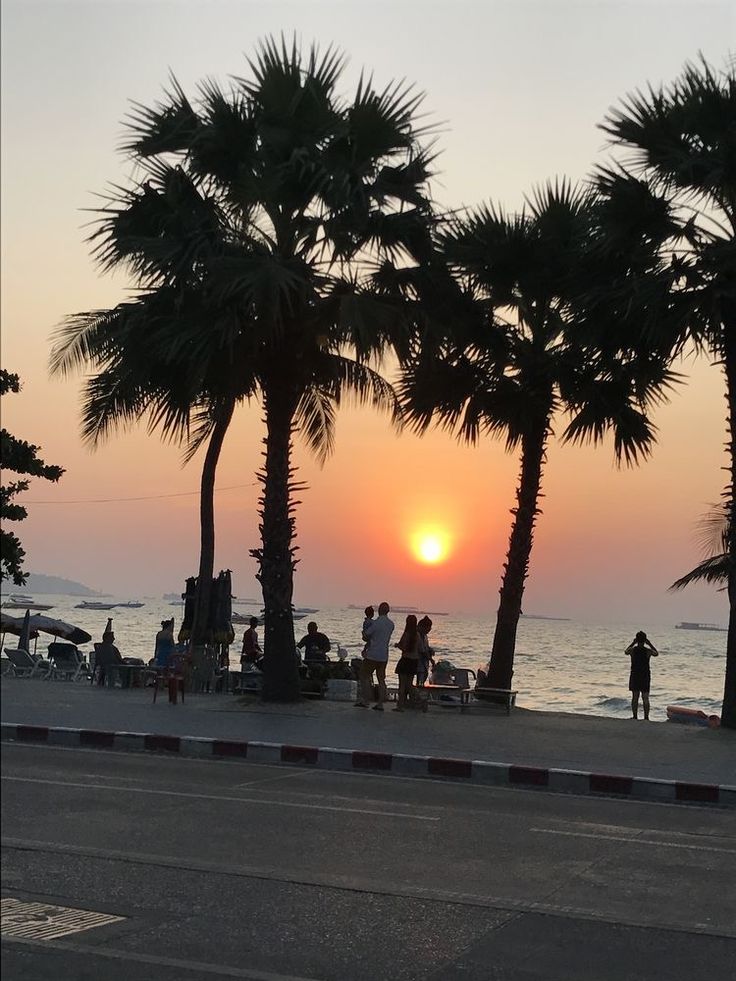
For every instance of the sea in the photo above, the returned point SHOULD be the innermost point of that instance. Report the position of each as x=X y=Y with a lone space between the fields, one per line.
x=560 y=665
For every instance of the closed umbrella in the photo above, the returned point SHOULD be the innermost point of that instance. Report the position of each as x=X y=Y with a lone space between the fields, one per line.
x=13 y=625
x=58 y=628
x=24 y=641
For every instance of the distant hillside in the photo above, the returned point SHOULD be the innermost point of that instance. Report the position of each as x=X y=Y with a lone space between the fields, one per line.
x=39 y=583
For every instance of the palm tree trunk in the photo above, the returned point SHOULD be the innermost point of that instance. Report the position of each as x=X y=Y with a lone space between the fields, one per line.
x=276 y=557
x=207 y=526
x=501 y=668
x=728 y=711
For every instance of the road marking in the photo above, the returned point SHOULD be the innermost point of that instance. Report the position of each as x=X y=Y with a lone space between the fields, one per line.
x=637 y=840
x=222 y=797
x=202 y=968
x=354 y=884
x=42 y=921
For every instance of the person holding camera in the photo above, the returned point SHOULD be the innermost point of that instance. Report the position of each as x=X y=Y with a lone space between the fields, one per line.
x=640 y=650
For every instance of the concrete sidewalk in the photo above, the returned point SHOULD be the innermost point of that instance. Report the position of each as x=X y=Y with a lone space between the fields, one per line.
x=661 y=751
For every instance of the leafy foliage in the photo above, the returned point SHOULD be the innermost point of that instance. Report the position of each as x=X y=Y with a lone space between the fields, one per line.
x=19 y=457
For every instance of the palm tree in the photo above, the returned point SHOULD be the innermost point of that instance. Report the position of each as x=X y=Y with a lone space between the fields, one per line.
x=520 y=356
x=136 y=378
x=275 y=204
x=716 y=566
x=681 y=143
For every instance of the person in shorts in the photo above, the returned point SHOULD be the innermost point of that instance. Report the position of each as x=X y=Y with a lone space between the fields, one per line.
x=377 y=635
x=640 y=650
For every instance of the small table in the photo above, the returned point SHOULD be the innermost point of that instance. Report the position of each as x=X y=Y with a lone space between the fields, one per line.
x=131 y=675
x=430 y=689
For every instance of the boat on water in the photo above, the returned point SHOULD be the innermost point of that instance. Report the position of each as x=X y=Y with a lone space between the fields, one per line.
x=130 y=605
x=304 y=610
x=94 y=605
x=688 y=625
x=17 y=601
x=539 y=616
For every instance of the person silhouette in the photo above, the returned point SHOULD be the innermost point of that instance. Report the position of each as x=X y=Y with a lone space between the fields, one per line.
x=640 y=650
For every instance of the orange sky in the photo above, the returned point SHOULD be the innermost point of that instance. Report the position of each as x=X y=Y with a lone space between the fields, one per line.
x=609 y=542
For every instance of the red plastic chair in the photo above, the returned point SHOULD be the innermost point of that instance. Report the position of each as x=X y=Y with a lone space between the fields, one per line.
x=172 y=677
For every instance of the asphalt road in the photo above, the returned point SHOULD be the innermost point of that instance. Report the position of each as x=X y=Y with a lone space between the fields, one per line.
x=221 y=869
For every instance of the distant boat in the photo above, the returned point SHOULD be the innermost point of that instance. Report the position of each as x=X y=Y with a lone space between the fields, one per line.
x=241 y=618
x=131 y=605
x=304 y=610
x=94 y=605
x=687 y=625
x=538 y=616
x=17 y=601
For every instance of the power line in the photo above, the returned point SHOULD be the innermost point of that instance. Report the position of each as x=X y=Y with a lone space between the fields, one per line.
x=151 y=497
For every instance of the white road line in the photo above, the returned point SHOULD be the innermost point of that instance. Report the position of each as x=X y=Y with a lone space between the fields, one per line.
x=202 y=968
x=222 y=797
x=638 y=840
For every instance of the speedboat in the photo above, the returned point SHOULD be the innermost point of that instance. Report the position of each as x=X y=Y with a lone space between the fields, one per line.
x=688 y=625
x=94 y=605
x=16 y=601
x=131 y=605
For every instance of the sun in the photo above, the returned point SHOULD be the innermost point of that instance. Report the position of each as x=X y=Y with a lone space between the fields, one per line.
x=430 y=546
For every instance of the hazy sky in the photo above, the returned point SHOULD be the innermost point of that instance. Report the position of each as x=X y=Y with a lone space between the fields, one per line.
x=519 y=88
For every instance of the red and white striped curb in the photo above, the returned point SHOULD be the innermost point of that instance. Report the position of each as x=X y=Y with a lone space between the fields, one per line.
x=327 y=758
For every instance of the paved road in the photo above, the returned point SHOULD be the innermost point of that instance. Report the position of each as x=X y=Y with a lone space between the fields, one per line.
x=250 y=871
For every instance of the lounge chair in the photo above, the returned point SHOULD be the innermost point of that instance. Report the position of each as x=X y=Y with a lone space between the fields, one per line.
x=25 y=665
x=68 y=662
x=461 y=676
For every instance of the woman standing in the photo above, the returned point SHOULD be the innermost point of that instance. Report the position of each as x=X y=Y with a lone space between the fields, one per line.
x=409 y=660
x=640 y=650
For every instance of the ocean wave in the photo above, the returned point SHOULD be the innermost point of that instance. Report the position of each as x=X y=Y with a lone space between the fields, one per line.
x=606 y=702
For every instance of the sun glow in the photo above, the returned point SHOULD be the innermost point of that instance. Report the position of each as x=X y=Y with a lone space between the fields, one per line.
x=430 y=546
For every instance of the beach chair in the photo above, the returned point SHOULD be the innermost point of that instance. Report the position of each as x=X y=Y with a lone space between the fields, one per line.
x=68 y=662
x=25 y=665
x=461 y=677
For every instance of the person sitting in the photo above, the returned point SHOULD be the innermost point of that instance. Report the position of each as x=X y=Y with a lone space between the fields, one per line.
x=315 y=644
x=251 y=653
x=107 y=658
x=165 y=645
x=442 y=673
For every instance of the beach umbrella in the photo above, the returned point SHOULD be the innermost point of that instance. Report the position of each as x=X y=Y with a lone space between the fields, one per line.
x=187 y=622
x=221 y=609
x=58 y=628
x=13 y=625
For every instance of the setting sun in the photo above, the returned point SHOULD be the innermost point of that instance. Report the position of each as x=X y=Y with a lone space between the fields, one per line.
x=430 y=546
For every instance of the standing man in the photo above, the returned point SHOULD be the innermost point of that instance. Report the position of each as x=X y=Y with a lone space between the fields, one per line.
x=377 y=634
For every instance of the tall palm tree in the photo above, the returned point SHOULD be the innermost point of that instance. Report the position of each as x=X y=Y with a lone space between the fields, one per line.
x=137 y=377
x=519 y=357
x=680 y=144
x=275 y=203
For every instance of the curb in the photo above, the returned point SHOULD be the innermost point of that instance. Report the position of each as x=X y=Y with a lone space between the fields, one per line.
x=478 y=772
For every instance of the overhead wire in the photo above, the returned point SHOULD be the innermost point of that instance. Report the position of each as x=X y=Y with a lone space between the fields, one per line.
x=147 y=497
